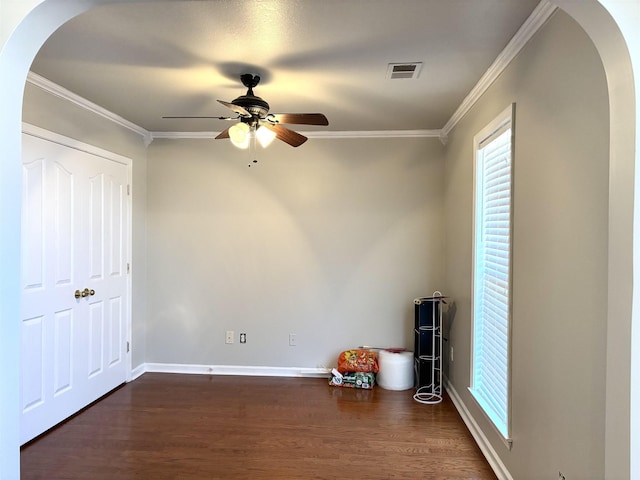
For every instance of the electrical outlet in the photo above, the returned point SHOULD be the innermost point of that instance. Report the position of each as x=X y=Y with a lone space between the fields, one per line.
x=292 y=340
x=451 y=354
x=243 y=338
x=229 y=337
x=561 y=476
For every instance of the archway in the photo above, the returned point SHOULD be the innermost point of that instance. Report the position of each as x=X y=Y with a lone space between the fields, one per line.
x=32 y=22
x=609 y=24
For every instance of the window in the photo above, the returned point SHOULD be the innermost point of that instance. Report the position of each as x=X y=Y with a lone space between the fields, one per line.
x=493 y=148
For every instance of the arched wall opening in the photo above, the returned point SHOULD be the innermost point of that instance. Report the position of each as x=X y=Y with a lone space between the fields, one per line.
x=33 y=22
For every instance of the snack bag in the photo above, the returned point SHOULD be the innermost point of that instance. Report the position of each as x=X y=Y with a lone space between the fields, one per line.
x=358 y=361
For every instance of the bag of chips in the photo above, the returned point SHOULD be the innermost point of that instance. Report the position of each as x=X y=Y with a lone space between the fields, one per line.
x=358 y=361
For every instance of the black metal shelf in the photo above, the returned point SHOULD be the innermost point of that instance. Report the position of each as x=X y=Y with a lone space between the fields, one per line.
x=428 y=348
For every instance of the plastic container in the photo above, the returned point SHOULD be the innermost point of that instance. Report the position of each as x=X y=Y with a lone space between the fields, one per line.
x=396 y=370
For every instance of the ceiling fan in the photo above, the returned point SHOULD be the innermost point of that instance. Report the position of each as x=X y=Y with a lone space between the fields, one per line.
x=254 y=119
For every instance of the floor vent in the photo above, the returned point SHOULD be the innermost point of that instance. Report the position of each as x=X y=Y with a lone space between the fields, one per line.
x=403 y=70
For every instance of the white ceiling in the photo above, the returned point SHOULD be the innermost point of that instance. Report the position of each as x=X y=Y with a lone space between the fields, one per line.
x=145 y=60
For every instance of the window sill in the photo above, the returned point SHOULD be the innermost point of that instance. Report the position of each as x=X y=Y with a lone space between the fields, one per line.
x=508 y=442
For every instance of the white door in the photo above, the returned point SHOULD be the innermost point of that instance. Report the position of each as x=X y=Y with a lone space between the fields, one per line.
x=75 y=237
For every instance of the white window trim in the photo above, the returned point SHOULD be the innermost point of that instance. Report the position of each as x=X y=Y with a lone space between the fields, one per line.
x=504 y=120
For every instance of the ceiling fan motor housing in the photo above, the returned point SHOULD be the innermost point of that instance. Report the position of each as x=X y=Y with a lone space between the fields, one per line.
x=252 y=104
x=256 y=106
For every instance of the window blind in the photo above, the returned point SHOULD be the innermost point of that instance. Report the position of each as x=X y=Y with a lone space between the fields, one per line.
x=492 y=258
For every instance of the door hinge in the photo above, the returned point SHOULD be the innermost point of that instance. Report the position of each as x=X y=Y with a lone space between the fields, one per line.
x=128 y=348
x=128 y=268
x=128 y=189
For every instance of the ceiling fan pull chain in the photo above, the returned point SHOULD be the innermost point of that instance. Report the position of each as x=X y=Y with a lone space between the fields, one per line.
x=252 y=147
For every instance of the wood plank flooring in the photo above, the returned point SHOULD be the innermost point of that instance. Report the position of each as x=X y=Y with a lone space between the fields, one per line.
x=169 y=426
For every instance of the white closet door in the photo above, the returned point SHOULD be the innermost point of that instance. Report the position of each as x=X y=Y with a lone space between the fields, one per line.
x=74 y=237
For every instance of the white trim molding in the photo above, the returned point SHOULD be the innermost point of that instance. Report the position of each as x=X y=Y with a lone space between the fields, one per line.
x=138 y=371
x=54 y=137
x=376 y=134
x=182 y=135
x=240 y=370
x=318 y=134
x=487 y=449
x=536 y=20
x=59 y=91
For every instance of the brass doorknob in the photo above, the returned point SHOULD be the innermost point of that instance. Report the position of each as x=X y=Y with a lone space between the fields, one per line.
x=84 y=293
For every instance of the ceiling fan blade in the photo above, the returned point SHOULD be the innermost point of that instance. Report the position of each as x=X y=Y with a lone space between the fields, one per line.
x=288 y=136
x=235 y=108
x=223 y=134
x=217 y=118
x=299 y=118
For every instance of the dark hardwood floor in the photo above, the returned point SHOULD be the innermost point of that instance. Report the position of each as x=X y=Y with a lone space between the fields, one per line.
x=168 y=426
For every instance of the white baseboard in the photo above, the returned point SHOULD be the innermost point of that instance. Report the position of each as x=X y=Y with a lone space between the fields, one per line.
x=136 y=372
x=487 y=450
x=240 y=370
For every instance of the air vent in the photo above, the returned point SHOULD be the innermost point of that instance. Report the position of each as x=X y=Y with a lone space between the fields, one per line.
x=403 y=70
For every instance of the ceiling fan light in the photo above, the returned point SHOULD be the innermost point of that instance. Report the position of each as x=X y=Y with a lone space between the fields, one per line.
x=265 y=136
x=239 y=135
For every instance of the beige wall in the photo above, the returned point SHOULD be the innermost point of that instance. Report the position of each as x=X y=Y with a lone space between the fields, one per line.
x=57 y=115
x=559 y=258
x=331 y=241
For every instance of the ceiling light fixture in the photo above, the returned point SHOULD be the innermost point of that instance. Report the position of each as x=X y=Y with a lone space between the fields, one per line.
x=242 y=133
x=265 y=136
x=239 y=135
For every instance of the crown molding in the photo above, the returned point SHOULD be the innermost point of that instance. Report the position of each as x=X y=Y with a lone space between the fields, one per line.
x=318 y=134
x=54 y=137
x=59 y=91
x=376 y=134
x=529 y=28
x=183 y=135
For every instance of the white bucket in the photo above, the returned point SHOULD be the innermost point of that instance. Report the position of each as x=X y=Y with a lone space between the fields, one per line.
x=395 y=370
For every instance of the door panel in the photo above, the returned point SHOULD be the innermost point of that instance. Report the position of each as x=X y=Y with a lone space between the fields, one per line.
x=32 y=224
x=75 y=228
x=62 y=354
x=114 y=353
x=114 y=226
x=95 y=227
x=96 y=333
x=63 y=209
x=33 y=359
